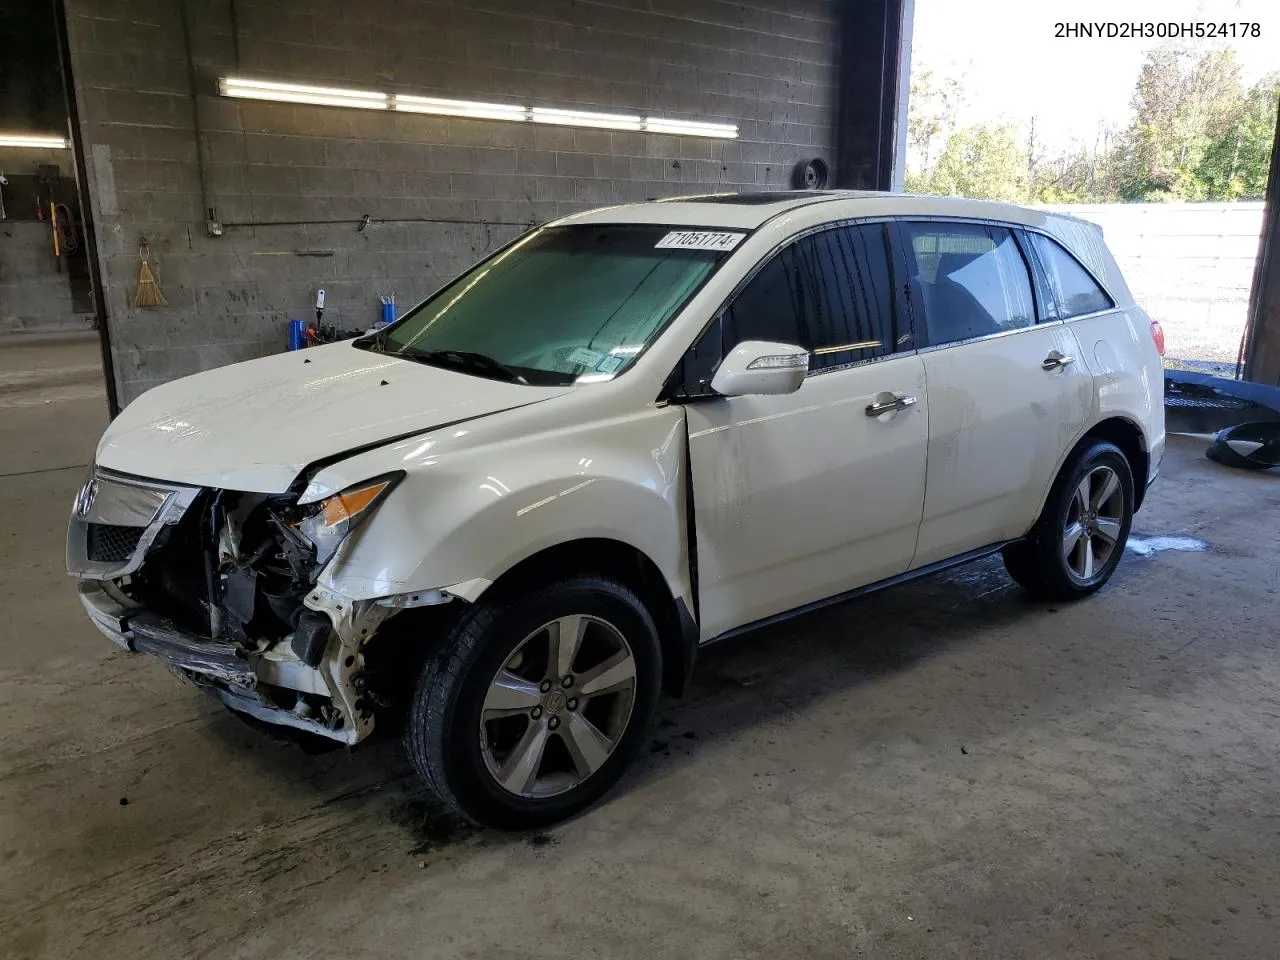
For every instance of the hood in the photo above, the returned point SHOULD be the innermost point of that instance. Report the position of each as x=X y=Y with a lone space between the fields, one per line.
x=255 y=426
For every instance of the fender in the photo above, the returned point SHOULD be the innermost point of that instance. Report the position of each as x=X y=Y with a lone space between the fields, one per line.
x=1128 y=387
x=471 y=507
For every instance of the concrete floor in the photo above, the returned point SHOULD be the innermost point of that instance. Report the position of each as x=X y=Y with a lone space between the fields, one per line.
x=944 y=770
x=40 y=369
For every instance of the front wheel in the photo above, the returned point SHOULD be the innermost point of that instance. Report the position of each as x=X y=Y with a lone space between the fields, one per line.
x=1077 y=543
x=537 y=704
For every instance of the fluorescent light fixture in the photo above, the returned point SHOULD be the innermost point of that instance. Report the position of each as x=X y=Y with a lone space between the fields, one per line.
x=460 y=108
x=691 y=128
x=586 y=118
x=440 y=106
x=33 y=140
x=300 y=93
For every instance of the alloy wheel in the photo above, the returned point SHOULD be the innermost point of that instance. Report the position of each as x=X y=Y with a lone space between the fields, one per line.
x=1095 y=518
x=558 y=707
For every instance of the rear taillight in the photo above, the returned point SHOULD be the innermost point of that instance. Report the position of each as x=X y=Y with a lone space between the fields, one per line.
x=1157 y=334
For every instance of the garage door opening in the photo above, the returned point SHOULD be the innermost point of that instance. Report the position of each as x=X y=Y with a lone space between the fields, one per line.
x=52 y=333
x=1165 y=141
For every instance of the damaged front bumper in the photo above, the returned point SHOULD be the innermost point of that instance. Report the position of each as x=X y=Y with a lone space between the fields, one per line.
x=312 y=678
x=250 y=682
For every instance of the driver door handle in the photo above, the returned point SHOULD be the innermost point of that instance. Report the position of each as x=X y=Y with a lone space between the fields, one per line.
x=889 y=406
x=1056 y=361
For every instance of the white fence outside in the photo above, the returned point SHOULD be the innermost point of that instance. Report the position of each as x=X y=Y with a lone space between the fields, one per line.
x=1190 y=265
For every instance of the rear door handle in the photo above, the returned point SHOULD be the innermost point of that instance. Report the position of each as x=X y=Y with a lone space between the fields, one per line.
x=889 y=406
x=1056 y=361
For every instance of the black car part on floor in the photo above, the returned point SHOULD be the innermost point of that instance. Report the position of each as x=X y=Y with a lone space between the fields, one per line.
x=1248 y=446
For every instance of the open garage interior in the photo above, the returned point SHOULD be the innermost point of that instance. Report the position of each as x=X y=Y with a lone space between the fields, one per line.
x=367 y=487
x=367 y=202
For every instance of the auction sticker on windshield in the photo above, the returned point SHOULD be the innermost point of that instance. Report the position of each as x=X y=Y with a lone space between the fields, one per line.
x=699 y=240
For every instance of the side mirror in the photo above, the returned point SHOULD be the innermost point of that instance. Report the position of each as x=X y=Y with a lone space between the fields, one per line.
x=761 y=367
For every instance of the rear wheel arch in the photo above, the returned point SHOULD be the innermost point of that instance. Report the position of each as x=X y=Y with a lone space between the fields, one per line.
x=1125 y=434
x=1078 y=540
x=1128 y=436
x=630 y=566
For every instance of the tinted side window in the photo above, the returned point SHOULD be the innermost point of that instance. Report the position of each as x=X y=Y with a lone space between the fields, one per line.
x=1072 y=291
x=771 y=306
x=971 y=279
x=830 y=292
x=853 y=315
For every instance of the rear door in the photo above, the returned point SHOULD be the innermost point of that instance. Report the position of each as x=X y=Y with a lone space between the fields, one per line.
x=1007 y=394
x=801 y=497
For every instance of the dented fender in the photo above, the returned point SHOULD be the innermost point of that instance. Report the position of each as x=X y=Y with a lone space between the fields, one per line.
x=475 y=502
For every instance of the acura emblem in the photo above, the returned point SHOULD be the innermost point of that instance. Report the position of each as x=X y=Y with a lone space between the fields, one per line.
x=85 y=498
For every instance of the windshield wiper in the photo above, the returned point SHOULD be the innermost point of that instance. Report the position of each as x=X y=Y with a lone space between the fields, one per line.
x=467 y=361
x=373 y=342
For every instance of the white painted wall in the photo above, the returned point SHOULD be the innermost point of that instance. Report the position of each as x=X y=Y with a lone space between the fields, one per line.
x=1190 y=265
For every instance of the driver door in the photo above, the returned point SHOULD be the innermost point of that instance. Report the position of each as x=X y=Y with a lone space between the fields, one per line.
x=801 y=497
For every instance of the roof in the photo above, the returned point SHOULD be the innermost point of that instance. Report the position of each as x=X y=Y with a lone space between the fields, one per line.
x=746 y=211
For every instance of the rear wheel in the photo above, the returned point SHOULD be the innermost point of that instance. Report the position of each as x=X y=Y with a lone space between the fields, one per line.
x=536 y=705
x=1077 y=543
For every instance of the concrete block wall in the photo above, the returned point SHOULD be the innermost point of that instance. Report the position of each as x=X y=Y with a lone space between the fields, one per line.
x=291 y=182
x=35 y=297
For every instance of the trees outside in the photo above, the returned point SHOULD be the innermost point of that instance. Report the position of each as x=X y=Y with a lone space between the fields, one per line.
x=1235 y=165
x=1196 y=134
x=931 y=115
x=979 y=161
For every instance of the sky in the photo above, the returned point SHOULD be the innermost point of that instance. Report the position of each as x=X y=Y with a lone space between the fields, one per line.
x=1014 y=68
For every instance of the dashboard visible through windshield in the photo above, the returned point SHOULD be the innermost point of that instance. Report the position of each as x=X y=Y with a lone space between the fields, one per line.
x=561 y=305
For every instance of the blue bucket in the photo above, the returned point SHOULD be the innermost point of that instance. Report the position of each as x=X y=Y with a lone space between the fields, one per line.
x=297 y=334
x=388 y=313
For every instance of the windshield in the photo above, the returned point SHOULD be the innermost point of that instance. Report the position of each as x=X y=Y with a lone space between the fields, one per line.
x=573 y=304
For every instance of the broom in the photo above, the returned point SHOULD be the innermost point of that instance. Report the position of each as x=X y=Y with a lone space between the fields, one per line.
x=149 y=293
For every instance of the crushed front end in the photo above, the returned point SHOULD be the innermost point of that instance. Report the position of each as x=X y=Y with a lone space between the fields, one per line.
x=221 y=586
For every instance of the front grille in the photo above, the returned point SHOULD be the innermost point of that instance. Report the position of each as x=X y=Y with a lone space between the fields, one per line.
x=109 y=543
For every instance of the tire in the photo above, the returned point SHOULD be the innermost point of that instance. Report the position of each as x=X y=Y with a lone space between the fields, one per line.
x=1042 y=564
x=467 y=734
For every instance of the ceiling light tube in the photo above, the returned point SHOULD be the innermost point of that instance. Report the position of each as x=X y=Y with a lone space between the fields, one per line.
x=48 y=142
x=441 y=106
x=692 y=128
x=460 y=108
x=586 y=118
x=302 y=93
x=282 y=97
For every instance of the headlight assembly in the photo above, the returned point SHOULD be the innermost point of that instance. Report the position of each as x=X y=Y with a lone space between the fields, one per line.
x=337 y=516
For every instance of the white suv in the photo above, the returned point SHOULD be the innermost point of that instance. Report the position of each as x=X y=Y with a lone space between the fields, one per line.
x=511 y=519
